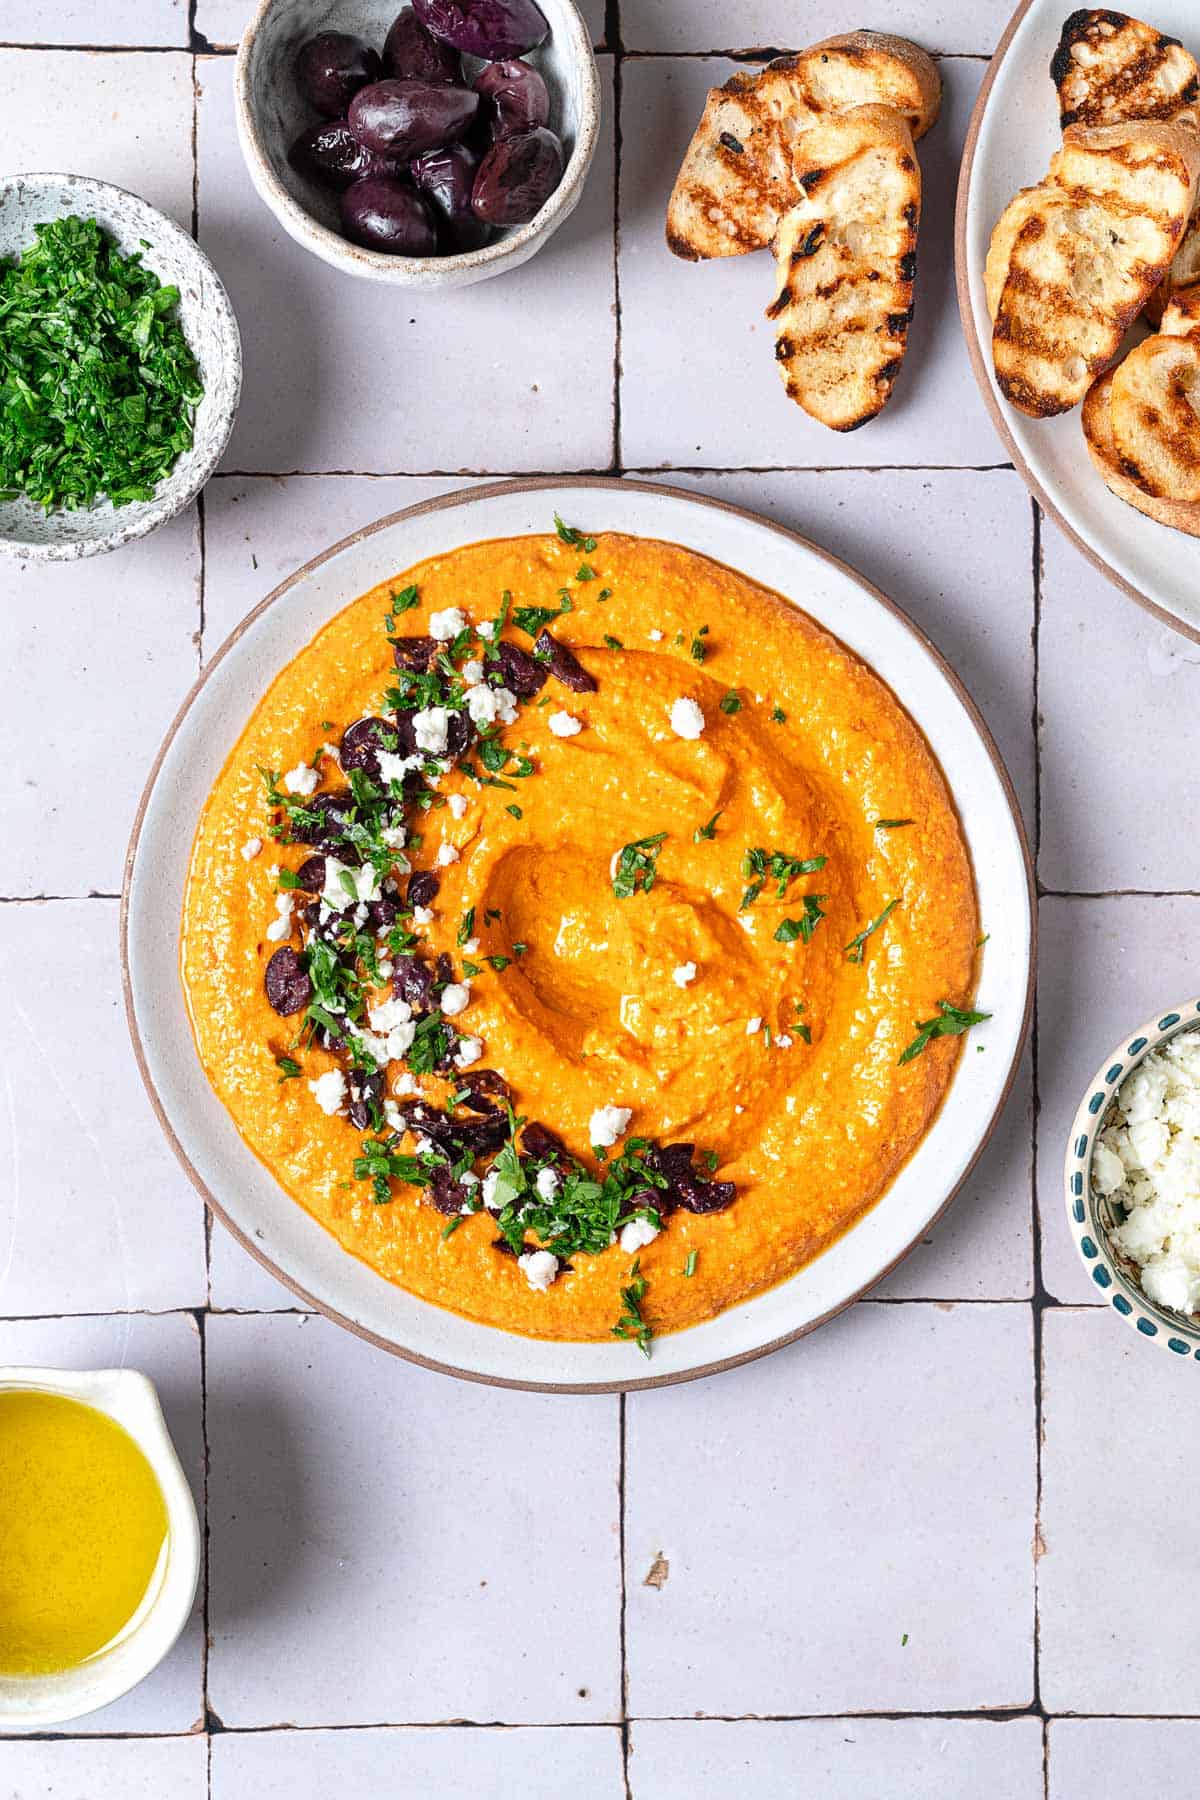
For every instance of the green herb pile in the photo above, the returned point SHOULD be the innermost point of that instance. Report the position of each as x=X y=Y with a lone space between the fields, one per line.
x=97 y=384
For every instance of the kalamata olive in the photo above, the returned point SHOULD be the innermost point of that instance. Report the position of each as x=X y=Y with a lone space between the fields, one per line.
x=517 y=177
x=423 y=885
x=383 y=214
x=330 y=69
x=563 y=664
x=409 y=49
x=414 y=652
x=402 y=118
x=482 y=1088
x=543 y=1143
x=523 y=674
x=329 y=151
x=287 y=984
x=412 y=980
x=366 y=1099
x=515 y=95
x=311 y=874
x=362 y=742
x=487 y=28
x=446 y=178
x=331 y=813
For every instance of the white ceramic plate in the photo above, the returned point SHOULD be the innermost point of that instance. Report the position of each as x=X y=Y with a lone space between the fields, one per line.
x=1013 y=135
x=236 y=1184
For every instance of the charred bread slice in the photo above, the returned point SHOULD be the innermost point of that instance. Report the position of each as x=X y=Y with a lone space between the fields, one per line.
x=1183 y=273
x=1182 y=316
x=1109 y=68
x=738 y=177
x=846 y=256
x=1074 y=265
x=1125 y=477
x=1154 y=407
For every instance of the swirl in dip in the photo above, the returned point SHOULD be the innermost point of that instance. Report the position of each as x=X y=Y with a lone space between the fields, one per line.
x=629 y=967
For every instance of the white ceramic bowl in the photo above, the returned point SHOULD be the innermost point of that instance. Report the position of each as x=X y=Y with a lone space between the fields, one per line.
x=208 y=325
x=1091 y=1217
x=29 y=1701
x=271 y=115
x=1013 y=134
x=240 y=1189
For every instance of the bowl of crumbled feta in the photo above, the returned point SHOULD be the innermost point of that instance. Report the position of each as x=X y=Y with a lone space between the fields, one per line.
x=1133 y=1179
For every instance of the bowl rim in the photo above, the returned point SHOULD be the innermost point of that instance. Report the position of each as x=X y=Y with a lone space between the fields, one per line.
x=163 y=508
x=1152 y=1322
x=584 y=483
x=130 y=1399
x=381 y=265
x=980 y=362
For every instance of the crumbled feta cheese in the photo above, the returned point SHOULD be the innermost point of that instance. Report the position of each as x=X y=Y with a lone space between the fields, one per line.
x=375 y=1044
x=1147 y=1157
x=338 y=895
x=429 y=728
x=607 y=1124
x=394 y=836
x=251 y=848
x=687 y=721
x=486 y=705
x=656 y=636
x=393 y=1117
x=636 y=1235
x=393 y=767
x=472 y=672
x=683 y=974
x=388 y=1014
x=281 y=927
x=470 y=947
x=385 y=968
x=301 y=780
x=468 y=1179
x=422 y=915
x=332 y=752
x=491 y=1182
x=456 y=997
x=784 y=1042
x=539 y=1268
x=329 y=1091
x=446 y=625
x=753 y=1025
x=487 y=629
x=547 y=1183
x=469 y=1051
x=446 y=855
x=564 y=724
x=458 y=806
x=406 y=1083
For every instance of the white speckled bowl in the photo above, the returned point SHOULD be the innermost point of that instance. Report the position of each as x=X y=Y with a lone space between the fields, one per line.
x=271 y=115
x=29 y=1701
x=1091 y=1217
x=208 y=325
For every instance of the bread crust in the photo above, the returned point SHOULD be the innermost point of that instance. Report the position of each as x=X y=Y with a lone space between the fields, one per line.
x=1110 y=68
x=1121 y=476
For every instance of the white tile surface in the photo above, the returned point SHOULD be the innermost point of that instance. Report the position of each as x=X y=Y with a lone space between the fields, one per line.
x=836 y=1759
x=453 y=1763
x=167 y=1349
x=221 y=22
x=136 y=22
x=1089 y=1757
x=1106 y=966
x=515 y=374
x=691 y=25
x=816 y=1508
x=95 y=1214
x=699 y=381
x=97 y=659
x=1120 y=1443
x=120 y=1769
x=1104 y=825
x=457 y=1543
x=119 y=116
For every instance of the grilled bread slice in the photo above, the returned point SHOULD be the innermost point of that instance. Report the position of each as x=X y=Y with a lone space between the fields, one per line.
x=1183 y=273
x=738 y=177
x=1109 y=68
x=1073 y=262
x=1124 y=475
x=846 y=257
x=1182 y=317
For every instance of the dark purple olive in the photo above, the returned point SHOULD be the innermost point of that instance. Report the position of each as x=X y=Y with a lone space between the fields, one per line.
x=517 y=177
x=422 y=887
x=362 y=742
x=543 y=1143
x=329 y=151
x=412 y=979
x=366 y=1100
x=446 y=178
x=402 y=118
x=382 y=913
x=482 y=1088
x=332 y=812
x=287 y=984
x=311 y=874
x=523 y=674
x=382 y=214
x=487 y=28
x=563 y=664
x=414 y=652
x=330 y=69
x=409 y=49
x=515 y=95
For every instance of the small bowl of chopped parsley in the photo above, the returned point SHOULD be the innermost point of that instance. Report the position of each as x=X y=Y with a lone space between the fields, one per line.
x=120 y=367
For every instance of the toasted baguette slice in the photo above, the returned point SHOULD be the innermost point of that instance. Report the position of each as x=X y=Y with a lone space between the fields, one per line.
x=1109 y=68
x=846 y=256
x=1182 y=316
x=1125 y=480
x=1071 y=269
x=738 y=176
x=1183 y=273
x=1154 y=406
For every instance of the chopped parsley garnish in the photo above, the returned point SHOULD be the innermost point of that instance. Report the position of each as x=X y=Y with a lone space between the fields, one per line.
x=631 y=1326
x=699 y=647
x=709 y=830
x=803 y=1031
x=689 y=1267
x=515 y=810
x=405 y=600
x=532 y=619
x=891 y=824
x=568 y=534
x=98 y=387
x=585 y=572
x=778 y=716
x=614 y=643
x=288 y=1068
x=760 y=866
x=788 y=930
x=637 y=866
x=379 y=1164
x=466 y=927
x=856 y=946
x=451 y=1226
x=951 y=1021
x=730 y=703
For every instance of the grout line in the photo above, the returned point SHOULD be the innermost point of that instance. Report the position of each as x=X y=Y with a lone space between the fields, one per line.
x=612 y=33
x=769 y=52
x=45 y=899
x=201 y=1317
x=622 y=1625
x=661 y=469
x=1040 y=1298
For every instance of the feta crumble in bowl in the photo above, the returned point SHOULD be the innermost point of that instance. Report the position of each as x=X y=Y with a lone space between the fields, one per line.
x=1133 y=1179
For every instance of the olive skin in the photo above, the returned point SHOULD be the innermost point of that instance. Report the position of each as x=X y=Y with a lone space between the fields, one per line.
x=330 y=69
x=514 y=95
x=490 y=29
x=329 y=151
x=381 y=213
x=446 y=178
x=403 y=118
x=410 y=50
x=517 y=177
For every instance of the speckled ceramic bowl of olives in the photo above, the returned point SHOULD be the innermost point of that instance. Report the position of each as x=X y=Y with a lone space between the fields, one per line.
x=428 y=145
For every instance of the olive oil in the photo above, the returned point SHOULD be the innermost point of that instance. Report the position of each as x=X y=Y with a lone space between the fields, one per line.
x=83 y=1525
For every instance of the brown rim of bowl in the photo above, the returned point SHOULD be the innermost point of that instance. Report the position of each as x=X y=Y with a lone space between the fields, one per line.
x=344 y=253
x=979 y=365
x=535 y=484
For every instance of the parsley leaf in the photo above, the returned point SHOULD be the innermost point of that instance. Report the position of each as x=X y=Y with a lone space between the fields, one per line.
x=788 y=930
x=568 y=534
x=856 y=946
x=631 y=1326
x=951 y=1021
x=637 y=866
x=891 y=824
x=709 y=830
